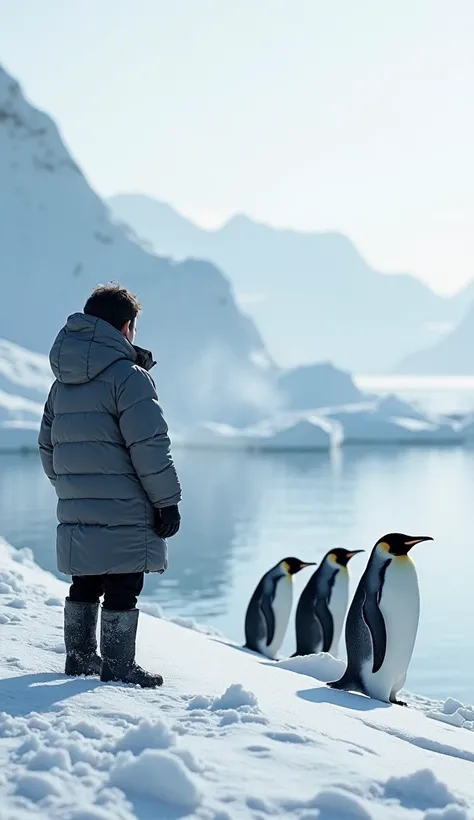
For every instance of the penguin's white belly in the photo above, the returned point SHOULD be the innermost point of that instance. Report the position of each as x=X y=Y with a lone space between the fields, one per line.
x=400 y=607
x=338 y=608
x=281 y=606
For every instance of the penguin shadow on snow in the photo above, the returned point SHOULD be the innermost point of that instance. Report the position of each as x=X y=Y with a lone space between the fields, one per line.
x=348 y=700
x=321 y=693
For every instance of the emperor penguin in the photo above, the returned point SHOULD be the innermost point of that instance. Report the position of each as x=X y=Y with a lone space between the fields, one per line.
x=383 y=620
x=323 y=604
x=268 y=612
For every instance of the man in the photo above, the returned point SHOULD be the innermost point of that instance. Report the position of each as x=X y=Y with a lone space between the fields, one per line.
x=104 y=446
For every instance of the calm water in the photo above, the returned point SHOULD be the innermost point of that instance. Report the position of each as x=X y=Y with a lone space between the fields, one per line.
x=243 y=513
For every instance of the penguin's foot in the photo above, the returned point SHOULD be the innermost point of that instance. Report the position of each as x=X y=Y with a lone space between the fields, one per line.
x=398 y=702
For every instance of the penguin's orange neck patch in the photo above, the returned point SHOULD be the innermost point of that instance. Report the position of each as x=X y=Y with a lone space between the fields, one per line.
x=384 y=546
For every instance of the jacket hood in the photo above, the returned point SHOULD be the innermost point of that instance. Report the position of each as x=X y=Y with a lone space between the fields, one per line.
x=86 y=346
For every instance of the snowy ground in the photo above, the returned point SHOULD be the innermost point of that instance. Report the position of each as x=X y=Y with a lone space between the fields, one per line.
x=229 y=735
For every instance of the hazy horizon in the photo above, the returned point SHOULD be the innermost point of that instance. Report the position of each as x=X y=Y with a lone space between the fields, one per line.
x=211 y=225
x=313 y=117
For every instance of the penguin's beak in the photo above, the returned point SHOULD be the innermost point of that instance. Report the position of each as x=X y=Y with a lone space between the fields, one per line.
x=306 y=564
x=343 y=561
x=417 y=540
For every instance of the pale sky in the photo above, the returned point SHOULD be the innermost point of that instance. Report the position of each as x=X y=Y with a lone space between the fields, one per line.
x=349 y=115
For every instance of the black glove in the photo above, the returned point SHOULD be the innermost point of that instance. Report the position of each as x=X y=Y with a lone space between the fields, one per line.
x=167 y=521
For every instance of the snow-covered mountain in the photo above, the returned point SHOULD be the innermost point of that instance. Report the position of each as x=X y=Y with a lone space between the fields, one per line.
x=451 y=356
x=24 y=372
x=58 y=241
x=312 y=295
x=25 y=378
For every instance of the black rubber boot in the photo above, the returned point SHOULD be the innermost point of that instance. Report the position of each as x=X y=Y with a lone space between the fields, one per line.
x=80 y=625
x=117 y=645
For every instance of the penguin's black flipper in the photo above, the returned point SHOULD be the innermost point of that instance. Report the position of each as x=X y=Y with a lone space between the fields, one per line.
x=268 y=614
x=376 y=626
x=325 y=618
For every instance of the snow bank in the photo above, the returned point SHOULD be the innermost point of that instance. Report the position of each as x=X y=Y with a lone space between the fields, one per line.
x=286 y=431
x=454 y=713
x=393 y=407
x=368 y=422
x=229 y=735
x=373 y=426
x=322 y=666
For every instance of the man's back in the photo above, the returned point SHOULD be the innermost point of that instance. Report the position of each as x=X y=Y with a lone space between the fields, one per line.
x=104 y=444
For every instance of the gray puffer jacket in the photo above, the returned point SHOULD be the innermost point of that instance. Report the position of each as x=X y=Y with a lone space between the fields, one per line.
x=104 y=445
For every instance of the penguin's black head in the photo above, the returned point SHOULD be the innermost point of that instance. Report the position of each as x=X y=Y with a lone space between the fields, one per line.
x=397 y=544
x=342 y=557
x=294 y=565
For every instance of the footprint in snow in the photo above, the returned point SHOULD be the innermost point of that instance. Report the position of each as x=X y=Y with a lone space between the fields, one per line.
x=7 y=618
x=16 y=662
x=287 y=737
x=17 y=603
x=261 y=751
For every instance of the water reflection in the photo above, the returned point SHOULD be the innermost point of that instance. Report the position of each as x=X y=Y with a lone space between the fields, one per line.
x=242 y=513
x=220 y=497
x=28 y=507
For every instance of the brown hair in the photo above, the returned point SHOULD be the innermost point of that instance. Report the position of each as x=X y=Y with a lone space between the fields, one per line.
x=114 y=304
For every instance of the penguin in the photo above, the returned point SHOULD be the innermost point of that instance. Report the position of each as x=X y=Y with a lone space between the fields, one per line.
x=323 y=605
x=383 y=620
x=269 y=609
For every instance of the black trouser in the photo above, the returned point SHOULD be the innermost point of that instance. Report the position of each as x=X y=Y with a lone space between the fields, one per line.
x=120 y=591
